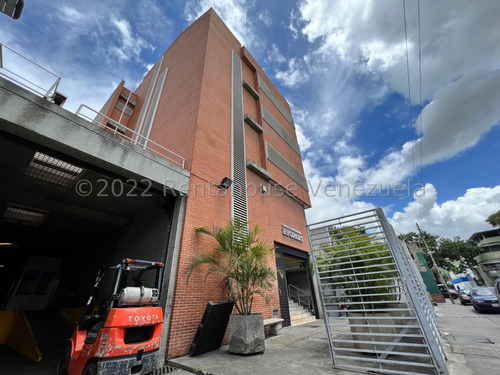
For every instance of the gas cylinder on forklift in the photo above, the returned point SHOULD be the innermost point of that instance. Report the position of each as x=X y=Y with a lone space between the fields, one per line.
x=120 y=329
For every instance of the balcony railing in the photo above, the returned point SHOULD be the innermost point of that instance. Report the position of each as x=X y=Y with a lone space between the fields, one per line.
x=28 y=74
x=135 y=138
x=40 y=81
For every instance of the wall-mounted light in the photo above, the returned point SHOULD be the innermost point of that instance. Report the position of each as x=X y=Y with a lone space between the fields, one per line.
x=225 y=183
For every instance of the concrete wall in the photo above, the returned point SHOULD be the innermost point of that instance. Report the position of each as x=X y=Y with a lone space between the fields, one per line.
x=35 y=119
x=299 y=279
x=146 y=239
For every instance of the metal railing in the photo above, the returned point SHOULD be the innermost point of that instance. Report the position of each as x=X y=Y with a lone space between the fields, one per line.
x=390 y=326
x=300 y=296
x=40 y=80
x=135 y=138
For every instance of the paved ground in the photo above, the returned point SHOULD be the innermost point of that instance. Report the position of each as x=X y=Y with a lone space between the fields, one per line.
x=472 y=346
x=296 y=350
x=472 y=340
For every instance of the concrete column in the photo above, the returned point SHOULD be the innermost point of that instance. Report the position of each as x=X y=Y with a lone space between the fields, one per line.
x=170 y=275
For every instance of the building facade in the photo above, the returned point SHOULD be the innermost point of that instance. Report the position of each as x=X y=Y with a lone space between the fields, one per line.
x=488 y=268
x=208 y=100
x=151 y=171
x=418 y=258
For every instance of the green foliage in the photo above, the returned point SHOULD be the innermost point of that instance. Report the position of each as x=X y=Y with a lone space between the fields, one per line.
x=364 y=278
x=240 y=257
x=432 y=241
x=456 y=255
x=452 y=255
x=494 y=219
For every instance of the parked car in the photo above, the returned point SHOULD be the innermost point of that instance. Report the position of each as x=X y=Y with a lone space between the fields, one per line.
x=484 y=299
x=497 y=288
x=452 y=292
x=464 y=296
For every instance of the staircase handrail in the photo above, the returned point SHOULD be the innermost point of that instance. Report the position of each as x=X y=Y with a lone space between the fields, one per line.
x=300 y=296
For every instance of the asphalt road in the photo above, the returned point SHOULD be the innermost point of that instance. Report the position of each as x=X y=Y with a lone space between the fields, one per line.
x=472 y=339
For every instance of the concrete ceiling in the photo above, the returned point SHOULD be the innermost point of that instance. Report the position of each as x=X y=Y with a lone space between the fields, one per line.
x=71 y=219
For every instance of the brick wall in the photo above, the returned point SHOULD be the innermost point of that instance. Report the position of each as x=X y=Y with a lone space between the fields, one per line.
x=194 y=120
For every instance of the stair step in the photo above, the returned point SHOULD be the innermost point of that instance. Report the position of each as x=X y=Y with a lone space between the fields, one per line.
x=300 y=316
x=296 y=308
x=308 y=319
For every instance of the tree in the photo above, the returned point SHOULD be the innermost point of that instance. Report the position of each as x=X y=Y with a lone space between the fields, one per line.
x=494 y=219
x=359 y=265
x=432 y=241
x=456 y=255
x=240 y=257
x=452 y=255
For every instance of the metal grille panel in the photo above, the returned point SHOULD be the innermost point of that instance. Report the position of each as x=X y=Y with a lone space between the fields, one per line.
x=271 y=120
x=269 y=93
x=239 y=196
x=283 y=164
x=377 y=312
x=54 y=170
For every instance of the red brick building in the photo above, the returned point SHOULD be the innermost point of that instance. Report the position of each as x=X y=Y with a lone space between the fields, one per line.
x=208 y=100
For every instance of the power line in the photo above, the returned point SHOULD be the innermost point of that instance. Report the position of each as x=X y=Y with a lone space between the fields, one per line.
x=409 y=92
x=421 y=109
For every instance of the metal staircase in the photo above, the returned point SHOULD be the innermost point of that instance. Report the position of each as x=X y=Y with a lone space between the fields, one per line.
x=389 y=325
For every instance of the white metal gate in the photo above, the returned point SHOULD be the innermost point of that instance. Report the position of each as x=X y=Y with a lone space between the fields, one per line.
x=377 y=312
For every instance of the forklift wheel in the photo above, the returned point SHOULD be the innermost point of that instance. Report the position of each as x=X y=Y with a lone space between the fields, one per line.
x=90 y=369
x=62 y=366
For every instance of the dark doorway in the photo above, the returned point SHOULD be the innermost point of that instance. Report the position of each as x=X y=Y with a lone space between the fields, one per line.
x=297 y=284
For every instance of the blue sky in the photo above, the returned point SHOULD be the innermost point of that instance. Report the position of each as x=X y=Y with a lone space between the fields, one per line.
x=342 y=65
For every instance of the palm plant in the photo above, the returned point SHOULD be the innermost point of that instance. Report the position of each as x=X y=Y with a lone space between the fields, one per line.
x=240 y=257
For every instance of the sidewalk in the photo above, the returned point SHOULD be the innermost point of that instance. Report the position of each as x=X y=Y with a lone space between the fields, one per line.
x=297 y=350
x=471 y=340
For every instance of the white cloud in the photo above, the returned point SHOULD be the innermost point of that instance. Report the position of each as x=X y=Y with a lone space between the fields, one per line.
x=364 y=41
x=454 y=121
x=274 y=55
x=265 y=17
x=291 y=25
x=327 y=201
x=71 y=14
x=233 y=13
x=96 y=47
x=462 y=216
x=299 y=116
x=131 y=44
x=295 y=75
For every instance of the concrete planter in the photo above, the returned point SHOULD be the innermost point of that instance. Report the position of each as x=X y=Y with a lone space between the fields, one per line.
x=246 y=334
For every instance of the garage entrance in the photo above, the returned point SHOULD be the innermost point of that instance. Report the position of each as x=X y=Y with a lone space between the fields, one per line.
x=60 y=219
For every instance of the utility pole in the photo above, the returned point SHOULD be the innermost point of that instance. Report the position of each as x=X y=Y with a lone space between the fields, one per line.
x=435 y=264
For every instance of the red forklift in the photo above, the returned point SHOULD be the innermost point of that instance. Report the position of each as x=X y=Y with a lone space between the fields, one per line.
x=120 y=329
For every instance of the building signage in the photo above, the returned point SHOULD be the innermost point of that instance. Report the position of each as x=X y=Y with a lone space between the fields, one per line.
x=292 y=233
